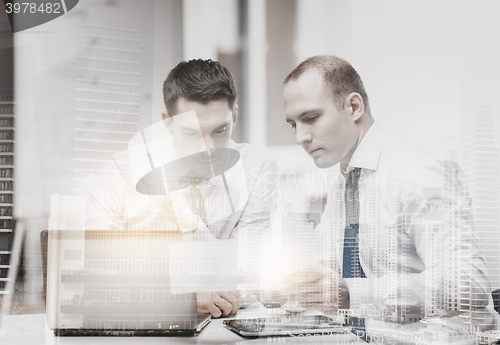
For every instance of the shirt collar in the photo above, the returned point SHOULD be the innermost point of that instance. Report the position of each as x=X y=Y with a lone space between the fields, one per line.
x=367 y=154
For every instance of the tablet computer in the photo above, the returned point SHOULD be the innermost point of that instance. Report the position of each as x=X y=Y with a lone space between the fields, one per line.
x=289 y=325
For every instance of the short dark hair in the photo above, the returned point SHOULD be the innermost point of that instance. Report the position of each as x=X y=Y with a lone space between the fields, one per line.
x=199 y=81
x=339 y=77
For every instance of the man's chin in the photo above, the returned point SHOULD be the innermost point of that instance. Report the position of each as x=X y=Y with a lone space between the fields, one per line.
x=201 y=169
x=322 y=163
x=205 y=169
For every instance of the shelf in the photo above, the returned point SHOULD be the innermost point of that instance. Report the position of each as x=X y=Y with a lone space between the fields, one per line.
x=109 y=82
x=82 y=119
x=102 y=141
x=107 y=131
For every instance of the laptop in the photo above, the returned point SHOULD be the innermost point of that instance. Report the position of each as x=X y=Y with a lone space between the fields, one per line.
x=116 y=283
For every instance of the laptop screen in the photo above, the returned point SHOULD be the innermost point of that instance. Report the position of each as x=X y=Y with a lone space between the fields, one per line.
x=115 y=280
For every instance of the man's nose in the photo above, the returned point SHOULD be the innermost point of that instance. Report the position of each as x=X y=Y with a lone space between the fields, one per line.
x=209 y=144
x=302 y=135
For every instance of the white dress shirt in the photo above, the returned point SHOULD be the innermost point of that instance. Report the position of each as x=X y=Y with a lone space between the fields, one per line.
x=416 y=238
x=115 y=203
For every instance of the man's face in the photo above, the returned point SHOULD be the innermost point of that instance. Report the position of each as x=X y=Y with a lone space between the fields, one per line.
x=327 y=134
x=211 y=129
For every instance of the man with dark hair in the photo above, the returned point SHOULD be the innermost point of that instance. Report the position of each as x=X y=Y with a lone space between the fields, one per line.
x=397 y=229
x=185 y=174
x=200 y=81
x=208 y=88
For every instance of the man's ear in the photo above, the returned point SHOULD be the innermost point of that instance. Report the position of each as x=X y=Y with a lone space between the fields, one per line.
x=354 y=102
x=235 y=115
x=168 y=121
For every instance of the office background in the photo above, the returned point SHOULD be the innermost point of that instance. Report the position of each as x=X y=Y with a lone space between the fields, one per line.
x=86 y=82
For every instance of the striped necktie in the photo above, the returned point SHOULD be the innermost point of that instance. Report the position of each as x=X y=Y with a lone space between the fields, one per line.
x=351 y=267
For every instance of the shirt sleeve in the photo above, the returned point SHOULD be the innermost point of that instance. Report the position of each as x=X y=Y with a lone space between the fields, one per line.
x=114 y=203
x=444 y=236
x=439 y=267
x=104 y=209
x=256 y=216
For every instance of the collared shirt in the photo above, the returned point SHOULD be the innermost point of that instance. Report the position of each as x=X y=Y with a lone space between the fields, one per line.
x=115 y=203
x=417 y=244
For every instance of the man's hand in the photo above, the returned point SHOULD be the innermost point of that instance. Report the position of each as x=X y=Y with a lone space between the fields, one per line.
x=185 y=222
x=305 y=287
x=218 y=303
x=311 y=289
x=344 y=295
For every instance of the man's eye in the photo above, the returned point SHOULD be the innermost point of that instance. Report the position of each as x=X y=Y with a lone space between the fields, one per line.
x=220 y=131
x=191 y=134
x=312 y=118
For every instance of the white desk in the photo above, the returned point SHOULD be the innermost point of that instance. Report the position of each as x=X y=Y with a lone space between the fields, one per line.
x=32 y=330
